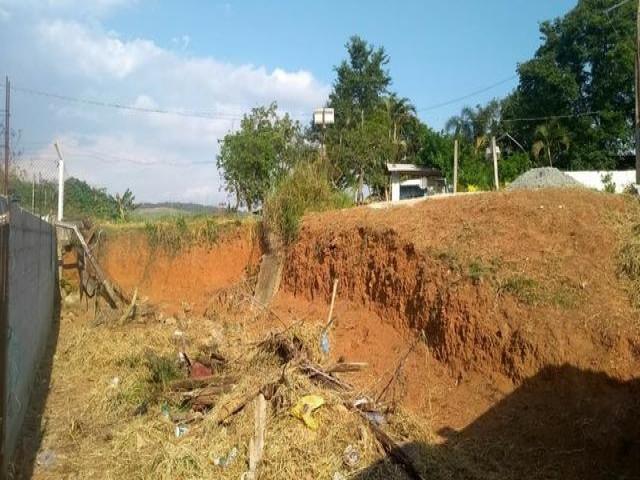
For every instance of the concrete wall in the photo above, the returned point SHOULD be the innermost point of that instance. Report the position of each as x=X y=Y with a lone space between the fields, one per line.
x=593 y=178
x=32 y=291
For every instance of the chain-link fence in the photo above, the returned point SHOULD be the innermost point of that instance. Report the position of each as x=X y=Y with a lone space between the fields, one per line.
x=33 y=184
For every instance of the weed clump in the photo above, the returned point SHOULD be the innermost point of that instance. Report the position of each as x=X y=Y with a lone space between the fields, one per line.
x=629 y=264
x=175 y=235
x=305 y=189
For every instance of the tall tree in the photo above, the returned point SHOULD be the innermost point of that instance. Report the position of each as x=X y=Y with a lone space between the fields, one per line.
x=361 y=82
x=583 y=72
x=359 y=144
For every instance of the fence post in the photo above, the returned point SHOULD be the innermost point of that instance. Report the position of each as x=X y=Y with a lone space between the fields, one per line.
x=60 y=183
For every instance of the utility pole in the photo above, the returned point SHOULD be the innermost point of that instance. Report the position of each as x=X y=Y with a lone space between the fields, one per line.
x=7 y=129
x=494 y=154
x=60 y=182
x=455 y=166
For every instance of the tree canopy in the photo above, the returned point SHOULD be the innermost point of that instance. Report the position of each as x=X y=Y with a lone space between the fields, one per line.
x=256 y=156
x=573 y=108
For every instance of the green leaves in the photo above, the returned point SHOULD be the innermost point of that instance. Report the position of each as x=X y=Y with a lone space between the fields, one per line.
x=262 y=151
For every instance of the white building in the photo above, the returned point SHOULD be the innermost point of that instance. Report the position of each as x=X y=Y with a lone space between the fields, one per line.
x=411 y=181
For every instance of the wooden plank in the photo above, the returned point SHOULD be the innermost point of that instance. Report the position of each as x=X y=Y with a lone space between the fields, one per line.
x=111 y=296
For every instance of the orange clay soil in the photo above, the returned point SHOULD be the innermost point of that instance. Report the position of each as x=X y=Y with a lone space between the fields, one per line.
x=498 y=283
x=189 y=276
x=531 y=350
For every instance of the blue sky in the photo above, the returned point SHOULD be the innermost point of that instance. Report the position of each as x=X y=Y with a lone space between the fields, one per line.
x=223 y=58
x=439 y=49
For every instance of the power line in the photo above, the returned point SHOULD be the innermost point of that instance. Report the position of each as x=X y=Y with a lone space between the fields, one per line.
x=123 y=106
x=553 y=117
x=469 y=95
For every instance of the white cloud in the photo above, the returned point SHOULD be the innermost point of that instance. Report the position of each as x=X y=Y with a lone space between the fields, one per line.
x=96 y=53
x=159 y=156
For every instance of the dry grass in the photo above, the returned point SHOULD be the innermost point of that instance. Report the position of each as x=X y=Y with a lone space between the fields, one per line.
x=92 y=425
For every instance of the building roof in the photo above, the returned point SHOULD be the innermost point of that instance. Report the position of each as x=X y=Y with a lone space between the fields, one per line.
x=412 y=168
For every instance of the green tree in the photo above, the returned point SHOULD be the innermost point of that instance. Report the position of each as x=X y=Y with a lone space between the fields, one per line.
x=256 y=156
x=361 y=141
x=125 y=204
x=583 y=71
x=552 y=139
x=361 y=82
x=476 y=125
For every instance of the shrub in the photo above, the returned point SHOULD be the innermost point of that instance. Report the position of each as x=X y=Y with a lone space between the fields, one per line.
x=609 y=184
x=305 y=189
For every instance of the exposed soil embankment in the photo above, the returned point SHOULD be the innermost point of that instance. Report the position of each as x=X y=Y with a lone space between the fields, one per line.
x=499 y=283
x=189 y=275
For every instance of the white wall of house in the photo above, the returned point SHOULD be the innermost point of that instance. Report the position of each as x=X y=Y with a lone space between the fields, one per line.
x=395 y=187
x=593 y=178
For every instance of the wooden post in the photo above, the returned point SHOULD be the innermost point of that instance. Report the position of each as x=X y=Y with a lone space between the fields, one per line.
x=455 y=166
x=494 y=154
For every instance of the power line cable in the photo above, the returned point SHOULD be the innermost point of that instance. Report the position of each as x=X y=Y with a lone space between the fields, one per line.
x=468 y=95
x=553 y=117
x=123 y=106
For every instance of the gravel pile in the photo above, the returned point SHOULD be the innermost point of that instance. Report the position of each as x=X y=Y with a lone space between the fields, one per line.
x=546 y=177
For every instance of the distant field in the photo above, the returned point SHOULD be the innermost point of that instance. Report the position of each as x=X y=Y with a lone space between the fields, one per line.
x=147 y=211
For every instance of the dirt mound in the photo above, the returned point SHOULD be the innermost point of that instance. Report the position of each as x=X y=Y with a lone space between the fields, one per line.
x=505 y=283
x=190 y=275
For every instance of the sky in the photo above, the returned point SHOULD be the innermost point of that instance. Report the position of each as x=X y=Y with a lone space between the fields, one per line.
x=218 y=59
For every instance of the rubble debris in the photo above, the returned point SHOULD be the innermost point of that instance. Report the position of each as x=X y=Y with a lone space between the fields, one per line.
x=545 y=177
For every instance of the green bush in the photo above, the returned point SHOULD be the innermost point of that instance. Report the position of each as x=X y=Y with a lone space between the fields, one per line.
x=305 y=189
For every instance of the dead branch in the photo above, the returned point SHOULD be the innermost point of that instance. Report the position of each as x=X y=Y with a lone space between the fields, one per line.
x=398 y=369
x=188 y=384
x=314 y=371
x=346 y=367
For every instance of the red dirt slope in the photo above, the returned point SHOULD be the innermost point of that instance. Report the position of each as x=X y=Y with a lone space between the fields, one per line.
x=500 y=283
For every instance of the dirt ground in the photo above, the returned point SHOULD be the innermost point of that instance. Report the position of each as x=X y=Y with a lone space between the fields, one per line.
x=518 y=345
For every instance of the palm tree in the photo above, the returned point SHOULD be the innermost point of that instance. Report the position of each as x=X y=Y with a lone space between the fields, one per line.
x=547 y=137
x=462 y=125
x=400 y=111
x=475 y=125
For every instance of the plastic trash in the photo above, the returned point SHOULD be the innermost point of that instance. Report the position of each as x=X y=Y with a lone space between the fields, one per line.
x=226 y=460
x=46 y=458
x=376 y=417
x=324 y=343
x=351 y=456
x=305 y=407
x=181 y=430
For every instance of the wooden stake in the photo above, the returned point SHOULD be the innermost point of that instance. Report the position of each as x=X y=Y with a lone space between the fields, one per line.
x=256 y=444
x=333 y=300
